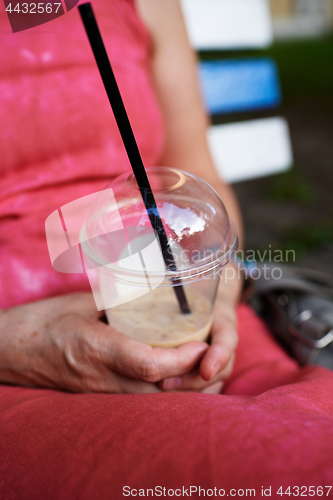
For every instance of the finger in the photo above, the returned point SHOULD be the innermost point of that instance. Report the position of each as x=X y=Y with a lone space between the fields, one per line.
x=193 y=381
x=213 y=389
x=103 y=380
x=129 y=386
x=137 y=360
x=224 y=340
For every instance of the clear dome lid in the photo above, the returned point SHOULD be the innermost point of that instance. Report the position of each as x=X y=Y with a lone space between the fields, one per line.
x=200 y=234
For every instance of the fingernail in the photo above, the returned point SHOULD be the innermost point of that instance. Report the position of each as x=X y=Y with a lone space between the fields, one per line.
x=216 y=369
x=171 y=383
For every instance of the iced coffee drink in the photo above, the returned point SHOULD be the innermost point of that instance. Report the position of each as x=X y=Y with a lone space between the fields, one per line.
x=124 y=263
x=157 y=320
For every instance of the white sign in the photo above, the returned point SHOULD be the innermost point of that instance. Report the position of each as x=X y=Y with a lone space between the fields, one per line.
x=228 y=24
x=250 y=149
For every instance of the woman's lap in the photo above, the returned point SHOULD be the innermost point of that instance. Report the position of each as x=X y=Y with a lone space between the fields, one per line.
x=272 y=427
x=261 y=363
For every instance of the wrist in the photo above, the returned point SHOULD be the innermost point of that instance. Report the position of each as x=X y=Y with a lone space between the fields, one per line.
x=13 y=355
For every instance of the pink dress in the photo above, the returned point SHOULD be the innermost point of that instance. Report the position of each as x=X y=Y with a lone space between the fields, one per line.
x=58 y=137
x=272 y=427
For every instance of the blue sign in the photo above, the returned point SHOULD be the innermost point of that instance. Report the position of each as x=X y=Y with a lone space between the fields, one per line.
x=232 y=86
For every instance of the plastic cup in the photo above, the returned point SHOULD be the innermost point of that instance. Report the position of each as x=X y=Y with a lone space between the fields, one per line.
x=125 y=266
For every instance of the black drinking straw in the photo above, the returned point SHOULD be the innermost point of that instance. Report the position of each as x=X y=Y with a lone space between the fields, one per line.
x=125 y=129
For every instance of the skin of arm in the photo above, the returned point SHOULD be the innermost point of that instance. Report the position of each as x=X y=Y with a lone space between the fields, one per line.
x=174 y=73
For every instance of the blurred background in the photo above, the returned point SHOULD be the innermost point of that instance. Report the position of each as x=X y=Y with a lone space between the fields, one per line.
x=293 y=209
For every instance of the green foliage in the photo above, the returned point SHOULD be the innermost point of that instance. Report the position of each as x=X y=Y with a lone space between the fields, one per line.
x=300 y=239
x=306 y=68
x=303 y=239
x=291 y=186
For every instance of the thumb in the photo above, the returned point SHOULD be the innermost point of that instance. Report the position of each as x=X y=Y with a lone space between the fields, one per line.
x=224 y=340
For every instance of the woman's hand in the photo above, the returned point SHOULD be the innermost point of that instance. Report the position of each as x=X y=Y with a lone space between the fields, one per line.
x=217 y=363
x=61 y=343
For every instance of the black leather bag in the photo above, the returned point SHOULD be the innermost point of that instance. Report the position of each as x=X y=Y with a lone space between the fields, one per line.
x=298 y=308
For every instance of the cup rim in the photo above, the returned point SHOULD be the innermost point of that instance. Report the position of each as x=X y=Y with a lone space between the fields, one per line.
x=196 y=272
